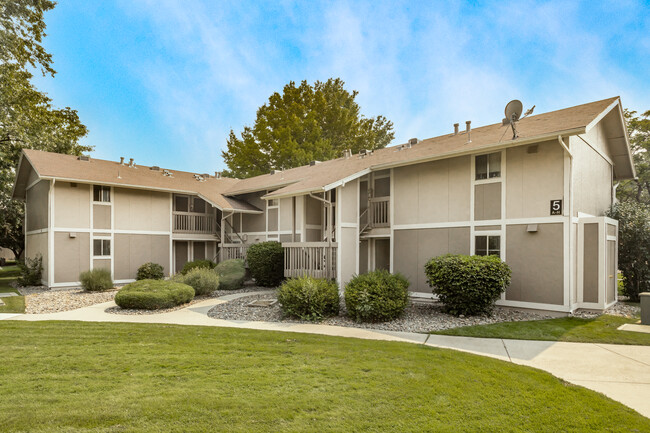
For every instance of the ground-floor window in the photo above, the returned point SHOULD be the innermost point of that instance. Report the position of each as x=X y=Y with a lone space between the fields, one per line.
x=101 y=247
x=487 y=246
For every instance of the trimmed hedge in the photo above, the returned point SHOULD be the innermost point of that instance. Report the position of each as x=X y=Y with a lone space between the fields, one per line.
x=377 y=296
x=266 y=263
x=467 y=285
x=309 y=298
x=150 y=271
x=232 y=274
x=97 y=280
x=203 y=281
x=153 y=295
x=207 y=264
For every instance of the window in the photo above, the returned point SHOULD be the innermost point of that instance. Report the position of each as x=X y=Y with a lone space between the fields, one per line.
x=273 y=202
x=487 y=246
x=198 y=205
x=488 y=166
x=101 y=193
x=181 y=203
x=101 y=247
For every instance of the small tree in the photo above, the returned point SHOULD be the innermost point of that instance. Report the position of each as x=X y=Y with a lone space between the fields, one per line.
x=633 y=246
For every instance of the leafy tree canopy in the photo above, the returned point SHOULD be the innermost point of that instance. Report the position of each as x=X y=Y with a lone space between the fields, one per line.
x=639 y=131
x=303 y=124
x=27 y=117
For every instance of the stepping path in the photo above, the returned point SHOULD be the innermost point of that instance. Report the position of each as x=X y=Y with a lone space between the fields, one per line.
x=618 y=371
x=8 y=294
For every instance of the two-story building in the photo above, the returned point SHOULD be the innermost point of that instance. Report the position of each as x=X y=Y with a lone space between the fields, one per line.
x=536 y=200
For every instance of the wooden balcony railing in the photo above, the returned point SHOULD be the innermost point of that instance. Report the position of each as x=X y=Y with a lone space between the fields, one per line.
x=233 y=251
x=192 y=223
x=316 y=259
x=379 y=212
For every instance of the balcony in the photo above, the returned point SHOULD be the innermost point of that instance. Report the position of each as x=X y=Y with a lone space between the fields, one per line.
x=185 y=222
x=379 y=212
x=316 y=259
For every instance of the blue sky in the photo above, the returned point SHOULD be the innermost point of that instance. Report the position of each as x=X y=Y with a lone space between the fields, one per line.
x=164 y=81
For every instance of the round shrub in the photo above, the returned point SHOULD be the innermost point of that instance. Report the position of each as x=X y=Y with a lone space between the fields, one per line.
x=309 y=298
x=232 y=274
x=467 y=285
x=150 y=271
x=97 y=280
x=153 y=295
x=377 y=296
x=203 y=281
x=206 y=264
x=266 y=263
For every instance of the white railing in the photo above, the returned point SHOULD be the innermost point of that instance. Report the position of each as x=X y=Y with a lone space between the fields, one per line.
x=316 y=259
x=233 y=251
x=379 y=211
x=192 y=223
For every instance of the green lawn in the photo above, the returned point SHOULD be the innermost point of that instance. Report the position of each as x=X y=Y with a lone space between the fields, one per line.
x=14 y=304
x=118 y=377
x=602 y=329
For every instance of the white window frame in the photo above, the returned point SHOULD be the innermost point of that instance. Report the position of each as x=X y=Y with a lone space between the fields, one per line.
x=102 y=189
x=102 y=239
x=489 y=234
x=489 y=179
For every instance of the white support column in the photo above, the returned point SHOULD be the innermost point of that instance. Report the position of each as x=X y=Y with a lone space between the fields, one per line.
x=50 y=235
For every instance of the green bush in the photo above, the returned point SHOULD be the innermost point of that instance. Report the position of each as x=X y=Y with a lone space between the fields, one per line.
x=467 y=285
x=266 y=263
x=309 y=298
x=203 y=281
x=377 y=296
x=150 y=271
x=232 y=274
x=97 y=280
x=153 y=295
x=207 y=264
x=633 y=246
x=31 y=271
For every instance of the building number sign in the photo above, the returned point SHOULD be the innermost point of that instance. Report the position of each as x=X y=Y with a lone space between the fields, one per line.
x=556 y=207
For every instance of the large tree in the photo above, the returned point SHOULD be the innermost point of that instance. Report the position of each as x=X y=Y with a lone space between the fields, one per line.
x=303 y=124
x=639 y=131
x=27 y=117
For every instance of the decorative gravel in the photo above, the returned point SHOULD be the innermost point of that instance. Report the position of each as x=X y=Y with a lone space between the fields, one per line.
x=54 y=301
x=619 y=309
x=418 y=317
x=29 y=290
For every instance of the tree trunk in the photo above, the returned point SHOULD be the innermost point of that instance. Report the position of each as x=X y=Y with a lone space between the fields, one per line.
x=639 y=190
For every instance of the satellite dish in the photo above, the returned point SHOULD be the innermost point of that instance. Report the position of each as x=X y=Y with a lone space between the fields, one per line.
x=514 y=110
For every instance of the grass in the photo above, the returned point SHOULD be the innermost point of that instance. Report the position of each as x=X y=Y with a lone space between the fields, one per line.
x=119 y=377
x=602 y=329
x=13 y=304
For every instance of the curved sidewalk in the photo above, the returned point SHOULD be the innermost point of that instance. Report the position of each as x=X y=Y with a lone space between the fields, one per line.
x=618 y=371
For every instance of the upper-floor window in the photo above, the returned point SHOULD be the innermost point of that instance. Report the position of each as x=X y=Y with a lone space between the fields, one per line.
x=101 y=193
x=488 y=166
x=184 y=203
x=272 y=202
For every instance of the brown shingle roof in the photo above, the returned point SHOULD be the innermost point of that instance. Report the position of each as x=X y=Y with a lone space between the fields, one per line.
x=60 y=166
x=317 y=177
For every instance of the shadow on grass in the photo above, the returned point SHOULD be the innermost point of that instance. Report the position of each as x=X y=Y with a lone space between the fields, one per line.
x=13 y=304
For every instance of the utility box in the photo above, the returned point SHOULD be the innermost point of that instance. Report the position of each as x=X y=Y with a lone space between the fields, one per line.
x=645 y=308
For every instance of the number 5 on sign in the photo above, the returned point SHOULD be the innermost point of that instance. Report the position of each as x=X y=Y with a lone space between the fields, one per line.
x=556 y=207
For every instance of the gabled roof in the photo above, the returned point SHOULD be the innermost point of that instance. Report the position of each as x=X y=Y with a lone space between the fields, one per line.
x=328 y=174
x=48 y=165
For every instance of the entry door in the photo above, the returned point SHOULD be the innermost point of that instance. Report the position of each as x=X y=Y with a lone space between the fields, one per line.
x=181 y=250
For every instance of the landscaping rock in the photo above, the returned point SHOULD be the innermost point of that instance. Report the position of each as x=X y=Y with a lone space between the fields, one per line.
x=54 y=301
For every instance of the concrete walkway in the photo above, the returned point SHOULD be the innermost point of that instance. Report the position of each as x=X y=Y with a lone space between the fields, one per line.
x=620 y=372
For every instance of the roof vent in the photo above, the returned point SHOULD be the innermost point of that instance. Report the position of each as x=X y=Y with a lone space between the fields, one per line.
x=154 y=168
x=131 y=163
x=84 y=158
x=365 y=152
x=217 y=174
x=456 y=125
x=413 y=142
x=468 y=130
x=199 y=177
x=121 y=160
x=313 y=163
x=274 y=171
x=347 y=153
x=168 y=173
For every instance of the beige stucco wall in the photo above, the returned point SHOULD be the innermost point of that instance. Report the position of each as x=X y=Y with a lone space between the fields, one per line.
x=592 y=184
x=413 y=248
x=102 y=264
x=590 y=266
x=610 y=290
x=286 y=213
x=142 y=210
x=487 y=201
x=37 y=244
x=254 y=222
x=349 y=202
x=348 y=245
x=37 y=206
x=537 y=263
x=101 y=217
x=273 y=220
x=72 y=205
x=132 y=250
x=314 y=210
x=534 y=179
x=72 y=256
x=437 y=191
